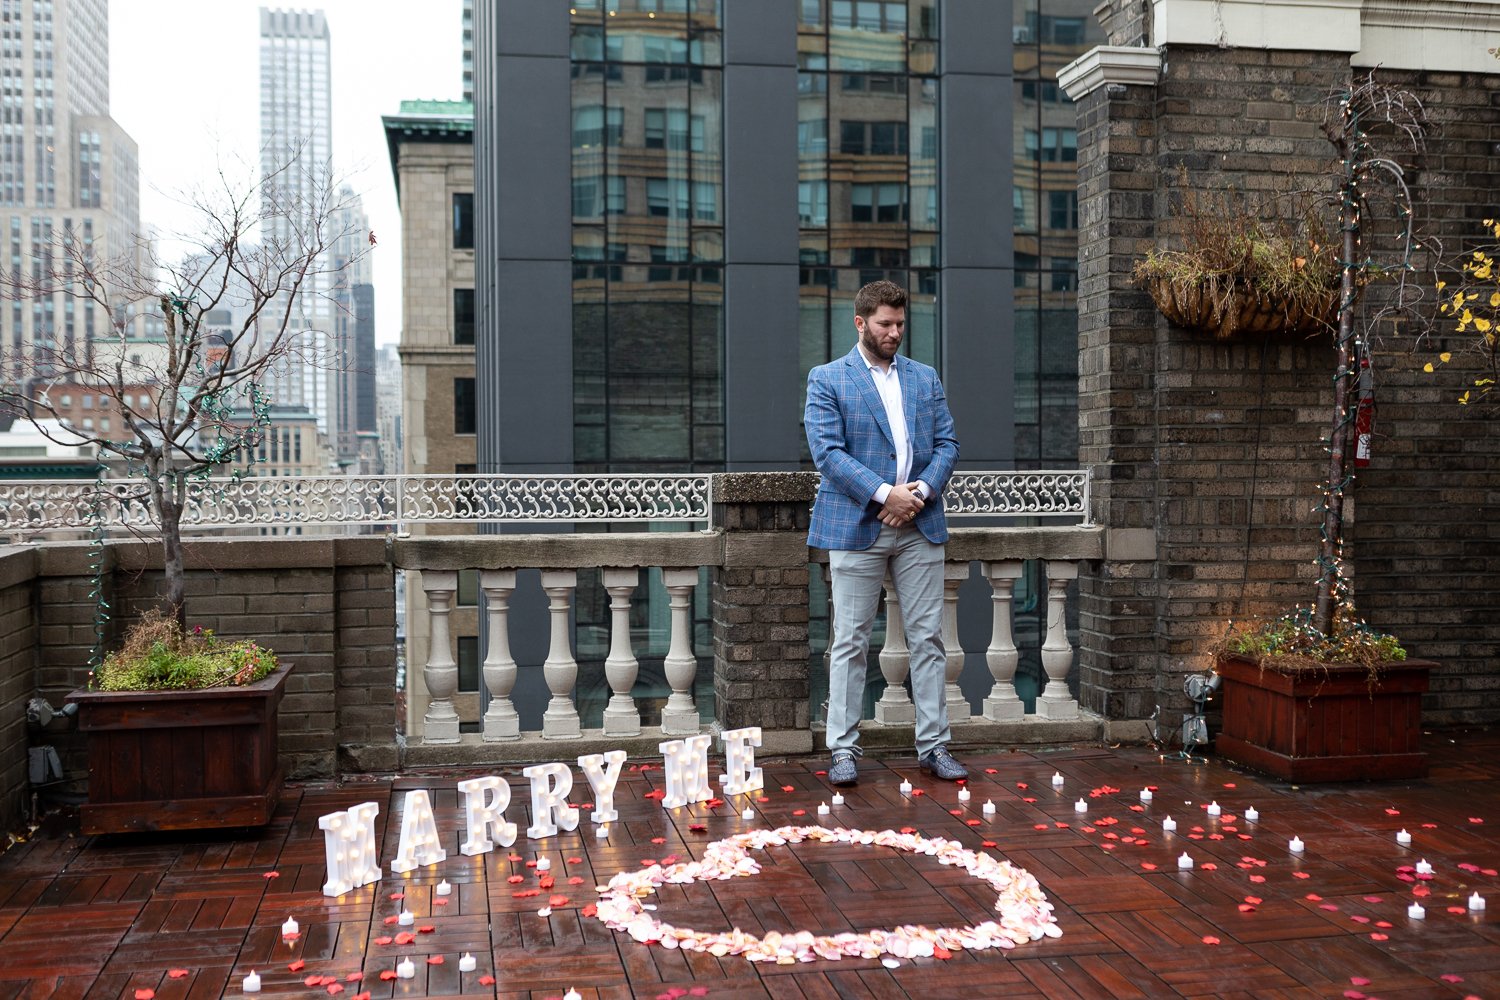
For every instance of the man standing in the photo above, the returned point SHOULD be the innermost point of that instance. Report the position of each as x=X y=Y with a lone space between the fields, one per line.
x=882 y=437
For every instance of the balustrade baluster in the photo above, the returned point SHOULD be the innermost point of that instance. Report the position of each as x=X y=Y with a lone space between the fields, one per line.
x=501 y=722
x=440 y=672
x=1057 y=653
x=621 y=716
x=560 y=721
x=894 y=707
x=679 y=716
x=954 y=574
x=1002 y=705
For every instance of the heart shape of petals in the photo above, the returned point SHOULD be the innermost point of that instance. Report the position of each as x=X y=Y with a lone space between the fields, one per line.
x=1025 y=914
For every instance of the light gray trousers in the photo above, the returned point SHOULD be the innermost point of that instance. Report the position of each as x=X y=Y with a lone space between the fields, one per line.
x=915 y=566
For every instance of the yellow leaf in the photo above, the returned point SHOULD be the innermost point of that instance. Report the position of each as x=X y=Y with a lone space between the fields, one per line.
x=1442 y=285
x=1484 y=381
x=1494 y=299
x=1464 y=399
x=1483 y=272
x=1481 y=324
x=1445 y=357
x=1467 y=317
x=1427 y=368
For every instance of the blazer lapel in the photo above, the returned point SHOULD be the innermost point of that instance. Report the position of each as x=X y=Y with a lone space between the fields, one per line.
x=908 y=399
x=866 y=383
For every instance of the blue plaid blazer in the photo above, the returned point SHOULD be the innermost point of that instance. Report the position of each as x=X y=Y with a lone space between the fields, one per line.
x=853 y=448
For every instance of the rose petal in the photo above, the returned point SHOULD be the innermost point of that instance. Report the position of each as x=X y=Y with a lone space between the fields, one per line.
x=557 y=901
x=1379 y=937
x=1358 y=981
x=177 y=973
x=1210 y=939
x=486 y=980
x=297 y=966
x=1449 y=977
x=144 y=994
x=1301 y=875
x=380 y=940
x=270 y=874
x=434 y=959
x=386 y=975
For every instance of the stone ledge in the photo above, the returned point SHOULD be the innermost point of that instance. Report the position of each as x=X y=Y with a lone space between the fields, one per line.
x=765 y=487
x=456 y=552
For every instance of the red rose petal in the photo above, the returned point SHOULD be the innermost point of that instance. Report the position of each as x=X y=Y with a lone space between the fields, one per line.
x=380 y=940
x=590 y=911
x=799 y=812
x=177 y=973
x=1148 y=866
x=1254 y=900
x=1246 y=908
x=788 y=788
x=270 y=874
x=1210 y=939
x=1358 y=981
x=1354 y=995
x=988 y=843
x=908 y=829
x=311 y=980
x=514 y=858
x=1314 y=897
x=334 y=989
x=1301 y=875
x=386 y=975
x=1379 y=937
x=1359 y=919
x=698 y=827
x=434 y=959
x=297 y=966
x=398 y=895
x=575 y=861
x=658 y=840
x=426 y=929
x=1257 y=878
x=557 y=901
x=144 y=994
x=1449 y=977
x=1476 y=820
x=354 y=977
x=405 y=937
x=516 y=879
x=1210 y=867
x=486 y=980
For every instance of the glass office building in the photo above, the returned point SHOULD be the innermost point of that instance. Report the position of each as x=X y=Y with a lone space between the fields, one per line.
x=676 y=201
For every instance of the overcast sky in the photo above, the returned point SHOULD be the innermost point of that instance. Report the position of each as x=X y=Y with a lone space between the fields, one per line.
x=185 y=83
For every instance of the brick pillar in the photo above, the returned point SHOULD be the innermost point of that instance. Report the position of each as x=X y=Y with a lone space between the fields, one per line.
x=760 y=606
x=1118 y=600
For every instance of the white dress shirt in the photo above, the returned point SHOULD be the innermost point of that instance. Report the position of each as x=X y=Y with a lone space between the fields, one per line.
x=888 y=384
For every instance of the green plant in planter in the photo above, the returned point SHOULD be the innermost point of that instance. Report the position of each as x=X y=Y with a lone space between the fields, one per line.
x=1290 y=640
x=158 y=655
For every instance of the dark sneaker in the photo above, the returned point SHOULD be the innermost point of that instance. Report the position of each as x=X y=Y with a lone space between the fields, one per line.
x=843 y=771
x=942 y=765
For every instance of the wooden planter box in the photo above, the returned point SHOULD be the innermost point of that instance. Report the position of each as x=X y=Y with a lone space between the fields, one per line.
x=181 y=760
x=1326 y=724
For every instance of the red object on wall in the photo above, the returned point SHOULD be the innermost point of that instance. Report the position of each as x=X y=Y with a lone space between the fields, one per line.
x=1364 y=415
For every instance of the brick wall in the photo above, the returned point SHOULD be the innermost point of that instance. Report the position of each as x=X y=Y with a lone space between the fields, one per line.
x=1187 y=436
x=760 y=595
x=17 y=661
x=325 y=605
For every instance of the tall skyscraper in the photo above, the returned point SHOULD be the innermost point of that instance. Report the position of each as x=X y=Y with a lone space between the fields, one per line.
x=296 y=137
x=468 y=26
x=354 y=333
x=65 y=167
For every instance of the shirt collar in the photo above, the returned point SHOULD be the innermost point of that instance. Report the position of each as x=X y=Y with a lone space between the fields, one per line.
x=871 y=364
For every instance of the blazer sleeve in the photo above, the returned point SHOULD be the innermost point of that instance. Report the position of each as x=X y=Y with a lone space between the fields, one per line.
x=827 y=440
x=944 y=443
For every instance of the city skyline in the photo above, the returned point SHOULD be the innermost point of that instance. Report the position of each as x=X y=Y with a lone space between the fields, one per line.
x=379 y=57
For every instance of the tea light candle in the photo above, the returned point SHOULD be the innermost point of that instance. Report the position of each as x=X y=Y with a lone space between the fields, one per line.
x=838 y=798
x=289 y=928
x=443 y=888
x=1403 y=838
x=1295 y=845
x=1476 y=902
x=963 y=795
x=405 y=917
x=572 y=995
x=823 y=809
x=1080 y=806
x=1251 y=815
x=543 y=864
x=601 y=832
x=748 y=814
x=251 y=982
x=1423 y=868
x=1213 y=809
x=989 y=808
x=905 y=787
x=467 y=963
x=1057 y=780
x=1184 y=862
x=1146 y=795
x=405 y=969
x=1169 y=824
x=1416 y=912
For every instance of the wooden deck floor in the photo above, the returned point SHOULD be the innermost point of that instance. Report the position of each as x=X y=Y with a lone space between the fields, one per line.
x=188 y=915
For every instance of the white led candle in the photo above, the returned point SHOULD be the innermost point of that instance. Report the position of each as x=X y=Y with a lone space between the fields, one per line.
x=905 y=787
x=989 y=808
x=1057 y=780
x=838 y=798
x=1416 y=912
x=405 y=969
x=544 y=864
x=1295 y=845
x=405 y=917
x=289 y=928
x=601 y=832
x=1251 y=815
x=748 y=814
x=1080 y=806
x=1213 y=809
x=1476 y=902
x=467 y=963
x=823 y=809
x=443 y=888
x=1184 y=862
x=572 y=995
x=1146 y=795
x=1403 y=838
x=963 y=795
x=1423 y=868
x=251 y=982
x=1169 y=824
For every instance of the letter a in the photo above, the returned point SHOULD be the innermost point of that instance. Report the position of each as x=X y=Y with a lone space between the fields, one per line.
x=419 y=835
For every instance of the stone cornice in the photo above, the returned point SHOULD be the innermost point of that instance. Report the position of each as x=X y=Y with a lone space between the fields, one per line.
x=1447 y=35
x=1107 y=64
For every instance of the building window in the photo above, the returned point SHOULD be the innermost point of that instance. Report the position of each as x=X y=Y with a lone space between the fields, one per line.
x=1062 y=209
x=463 y=316
x=674 y=128
x=595 y=126
x=873 y=138
x=877 y=202
x=463 y=221
x=464 y=416
x=812 y=203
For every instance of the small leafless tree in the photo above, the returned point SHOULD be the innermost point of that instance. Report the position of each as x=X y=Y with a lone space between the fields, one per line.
x=198 y=400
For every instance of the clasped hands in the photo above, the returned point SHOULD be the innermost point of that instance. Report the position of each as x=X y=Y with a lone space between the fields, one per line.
x=901 y=505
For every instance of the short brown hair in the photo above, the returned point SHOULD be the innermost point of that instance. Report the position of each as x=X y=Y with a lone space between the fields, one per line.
x=877 y=294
